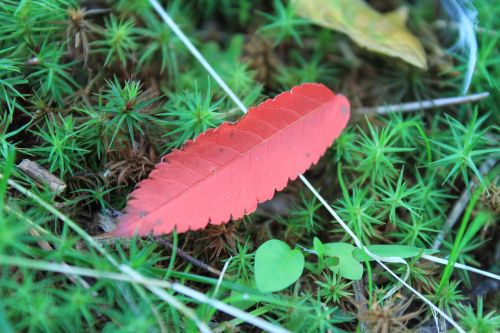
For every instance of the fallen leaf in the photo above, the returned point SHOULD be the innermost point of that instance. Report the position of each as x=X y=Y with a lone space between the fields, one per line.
x=227 y=171
x=382 y=33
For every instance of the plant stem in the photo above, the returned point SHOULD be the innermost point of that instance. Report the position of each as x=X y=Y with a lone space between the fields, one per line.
x=455 y=251
x=421 y=105
x=461 y=203
x=188 y=257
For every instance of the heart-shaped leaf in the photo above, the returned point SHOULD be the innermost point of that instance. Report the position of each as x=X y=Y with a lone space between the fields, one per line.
x=277 y=266
x=347 y=267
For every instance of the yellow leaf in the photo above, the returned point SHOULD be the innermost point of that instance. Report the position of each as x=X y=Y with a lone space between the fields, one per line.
x=383 y=33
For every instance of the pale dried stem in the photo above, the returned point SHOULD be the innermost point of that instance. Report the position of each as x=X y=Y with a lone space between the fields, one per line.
x=421 y=105
x=42 y=176
x=359 y=295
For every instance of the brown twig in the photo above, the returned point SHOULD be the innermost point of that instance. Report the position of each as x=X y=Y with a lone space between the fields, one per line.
x=42 y=176
x=359 y=295
x=188 y=257
x=108 y=238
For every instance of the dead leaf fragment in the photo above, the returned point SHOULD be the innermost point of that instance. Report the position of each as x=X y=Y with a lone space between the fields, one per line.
x=382 y=33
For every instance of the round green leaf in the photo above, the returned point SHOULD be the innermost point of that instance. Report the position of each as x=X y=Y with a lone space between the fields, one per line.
x=277 y=266
x=347 y=267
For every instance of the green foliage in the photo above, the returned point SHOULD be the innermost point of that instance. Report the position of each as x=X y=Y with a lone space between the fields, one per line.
x=96 y=93
x=50 y=74
x=119 y=42
x=302 y=218
x=449 y=296
x=10 y=78
x=346 y=265
x=477 y=321
x=128 y=109
x=284 y=23
x=358 y=210
x=60 y=146
x=466 y=148
x=190 y=115
x=271 y=255
x=398 y=198
x=331 y=289
x=376 y=153
x=305 y=70
x=242 y=262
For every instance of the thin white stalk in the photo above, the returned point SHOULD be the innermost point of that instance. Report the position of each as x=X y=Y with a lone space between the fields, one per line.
x=166 y=18
x=258 y=322
x=162 y=294
x=423 y=298
x=194 y=51
x=131 y=276
x=221 y=277
x=221 y=306
x=461 y=266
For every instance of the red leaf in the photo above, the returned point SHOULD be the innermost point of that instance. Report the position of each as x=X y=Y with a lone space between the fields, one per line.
x=227 y=171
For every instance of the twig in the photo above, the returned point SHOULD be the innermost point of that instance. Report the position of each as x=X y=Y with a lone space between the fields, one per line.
x=188 y=257
x=421 y=105
x=108 y=238
x=42 y=175
x=359 y=295
x=461 y=203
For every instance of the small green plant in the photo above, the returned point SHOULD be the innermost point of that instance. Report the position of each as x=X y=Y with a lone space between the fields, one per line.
x=50 y=73
x=358 y=209
x=477 y=321
x=285 y=22
x=124 y=116
x=60 y=145
x=191 y=114
x=468 y=146
x=119 y=42
x=332 y=289
x=376 y=154
x=398 y=198
x=242 y=261
x=302 y=217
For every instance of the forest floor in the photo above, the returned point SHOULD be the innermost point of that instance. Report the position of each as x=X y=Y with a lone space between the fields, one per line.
x=93 y=93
